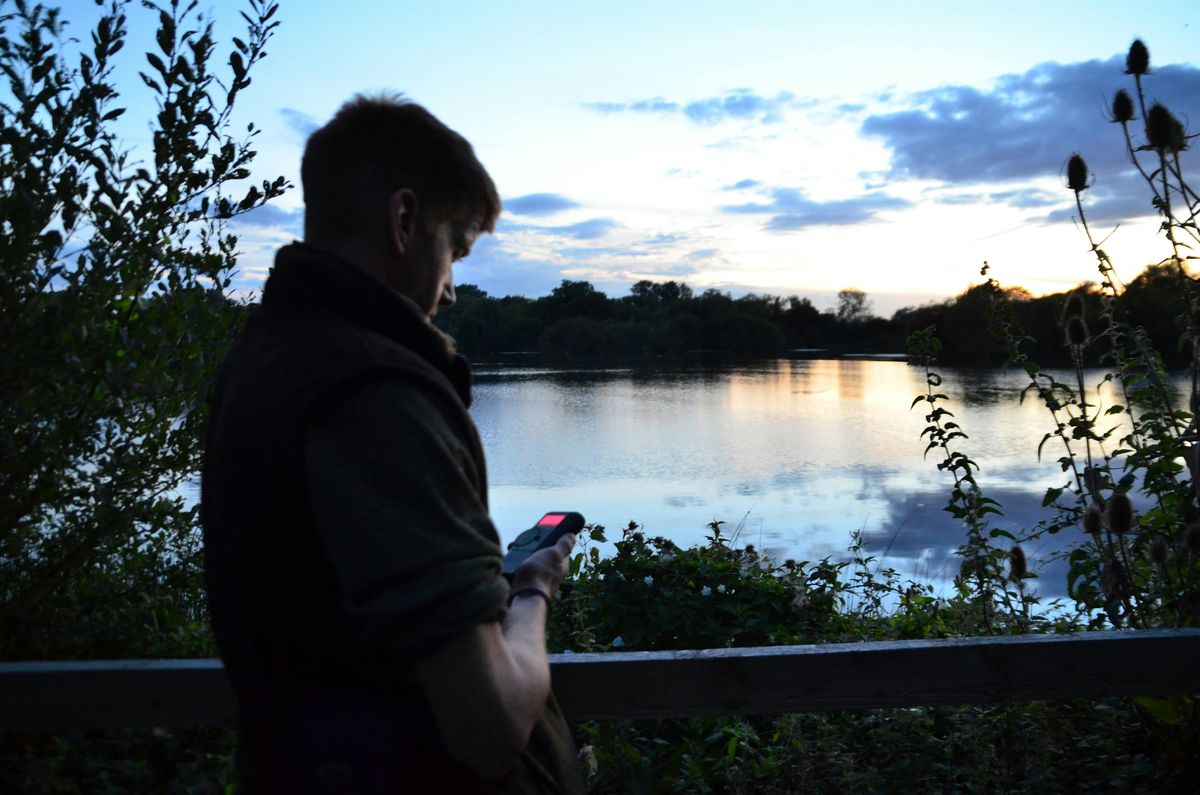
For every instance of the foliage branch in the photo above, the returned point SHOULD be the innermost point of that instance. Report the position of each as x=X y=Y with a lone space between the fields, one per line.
x=113 y=263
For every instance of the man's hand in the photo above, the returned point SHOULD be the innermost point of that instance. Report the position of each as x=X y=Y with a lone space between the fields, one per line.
x=546 y=568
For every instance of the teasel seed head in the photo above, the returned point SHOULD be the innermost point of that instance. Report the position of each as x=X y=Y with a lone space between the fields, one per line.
x=1164 y=132
x=1191 y=538
x=1077 y=332
x=1073 y=307
x=1122 y=107
x=1112 y=578
x=1120 y=514
x=1159 y=551
x=1077 y=173
x=1017 y=563
x=1137 y=62
x=1092 y=521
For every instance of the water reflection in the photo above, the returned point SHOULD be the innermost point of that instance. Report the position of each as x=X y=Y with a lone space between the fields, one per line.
x=798 y=454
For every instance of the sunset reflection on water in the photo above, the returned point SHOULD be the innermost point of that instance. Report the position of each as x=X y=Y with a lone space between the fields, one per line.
x=799 y=453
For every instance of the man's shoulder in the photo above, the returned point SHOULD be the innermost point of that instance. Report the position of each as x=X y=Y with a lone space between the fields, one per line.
x=307 y=357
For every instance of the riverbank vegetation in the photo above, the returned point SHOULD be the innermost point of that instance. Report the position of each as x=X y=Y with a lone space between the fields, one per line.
x=670 y=319
x=114 y=321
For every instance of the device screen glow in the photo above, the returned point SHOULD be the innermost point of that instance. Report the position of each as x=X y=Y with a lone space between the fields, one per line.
x=552 y=519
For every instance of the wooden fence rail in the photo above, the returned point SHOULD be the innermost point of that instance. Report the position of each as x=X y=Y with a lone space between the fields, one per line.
x=775 y=679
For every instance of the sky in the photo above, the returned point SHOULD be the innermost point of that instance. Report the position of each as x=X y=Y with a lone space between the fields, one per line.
x=783 y=148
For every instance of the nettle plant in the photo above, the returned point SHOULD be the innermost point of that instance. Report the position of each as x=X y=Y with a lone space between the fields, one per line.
x=1136 y=568
x=651 y=594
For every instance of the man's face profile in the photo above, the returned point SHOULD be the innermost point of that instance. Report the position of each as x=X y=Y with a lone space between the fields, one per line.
x=426 y=272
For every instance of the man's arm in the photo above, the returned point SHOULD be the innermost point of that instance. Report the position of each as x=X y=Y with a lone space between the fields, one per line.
x=488 y=686
x=396 y=505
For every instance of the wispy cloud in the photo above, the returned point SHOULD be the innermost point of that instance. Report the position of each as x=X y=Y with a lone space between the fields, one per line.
x=299 y=122
x=664 y=239
x=591 y=229
x=744 y=184
x=539 y=204
x=791 y=209
x=740 y=104
x=651 y=105
x=502 y=270
x=269 y=216
x=1022 y=198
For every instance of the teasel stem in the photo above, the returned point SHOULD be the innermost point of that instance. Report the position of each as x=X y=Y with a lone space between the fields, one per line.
x=1193 y=203
x=1077 y=360
x=1132 y=152
x=1021 y=359
x=1125 y=595
x=1106 y=270
x=1193 y=305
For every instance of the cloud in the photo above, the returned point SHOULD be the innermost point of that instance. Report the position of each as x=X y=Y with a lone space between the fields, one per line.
x=664 y=239
x=591 y=229
x=269 y=216
x=702 y=254
x=1022 y=198
x=589 y=253
x=1026 y=197
x=652 y=105
x=299 y=122
x=740 y=104
x=743 y=185
x=791 y=209
x=500 y=270
x=1025 y=126
x=537 y=204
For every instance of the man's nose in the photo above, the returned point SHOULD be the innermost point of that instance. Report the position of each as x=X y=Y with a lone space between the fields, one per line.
x=448 y=298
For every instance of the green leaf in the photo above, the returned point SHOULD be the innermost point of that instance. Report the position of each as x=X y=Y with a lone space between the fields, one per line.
x=166 y=33
x=1167 y=710
x=1052 y=494
x=158 y=64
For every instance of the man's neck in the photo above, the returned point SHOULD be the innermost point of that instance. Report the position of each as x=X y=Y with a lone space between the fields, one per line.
x=354 y=254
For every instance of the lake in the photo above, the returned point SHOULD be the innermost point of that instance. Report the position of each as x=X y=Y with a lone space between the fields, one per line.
x=794 y=455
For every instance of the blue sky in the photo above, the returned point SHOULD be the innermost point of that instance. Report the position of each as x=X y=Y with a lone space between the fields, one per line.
x=788 y=148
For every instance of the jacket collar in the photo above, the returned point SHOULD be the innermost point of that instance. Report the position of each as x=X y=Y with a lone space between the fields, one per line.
x=309 y=279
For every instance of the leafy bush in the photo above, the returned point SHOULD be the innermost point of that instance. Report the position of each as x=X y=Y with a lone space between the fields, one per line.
x=113 y=264
x=651 y=595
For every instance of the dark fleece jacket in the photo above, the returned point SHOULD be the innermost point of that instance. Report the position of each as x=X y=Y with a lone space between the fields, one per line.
x=345 y=513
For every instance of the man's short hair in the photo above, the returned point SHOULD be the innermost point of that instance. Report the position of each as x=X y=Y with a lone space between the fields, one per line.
x=376 y=145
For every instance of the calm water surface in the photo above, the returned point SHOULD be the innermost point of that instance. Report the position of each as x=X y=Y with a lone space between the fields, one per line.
x=798 y=453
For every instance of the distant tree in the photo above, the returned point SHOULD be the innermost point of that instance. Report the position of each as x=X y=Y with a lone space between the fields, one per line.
x=574 y=299
x=112 y=322
x=802 y=322
x=659 y=294
x=853 y=306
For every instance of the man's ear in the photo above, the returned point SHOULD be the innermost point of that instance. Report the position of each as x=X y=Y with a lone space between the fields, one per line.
x=402 y=219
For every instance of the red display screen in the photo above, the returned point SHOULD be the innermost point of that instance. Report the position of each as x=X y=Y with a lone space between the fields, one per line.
x=552 y=519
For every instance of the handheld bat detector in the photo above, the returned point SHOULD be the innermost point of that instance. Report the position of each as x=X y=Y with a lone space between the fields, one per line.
x=545 y=533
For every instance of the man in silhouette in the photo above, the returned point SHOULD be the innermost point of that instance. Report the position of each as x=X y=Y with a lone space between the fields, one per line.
x=353 y=570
